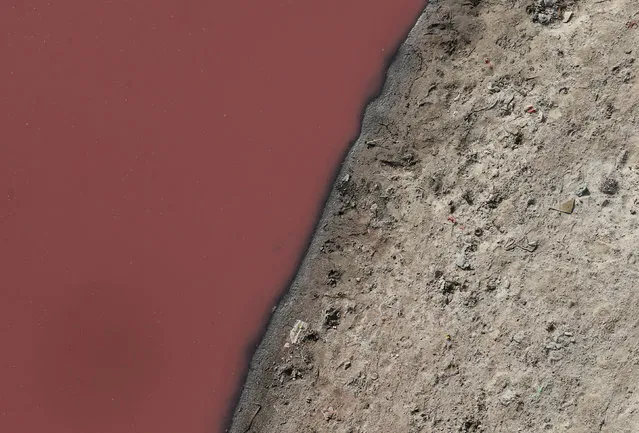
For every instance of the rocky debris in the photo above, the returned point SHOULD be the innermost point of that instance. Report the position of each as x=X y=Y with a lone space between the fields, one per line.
x=567 y=16
x=332 y=317
x=582 y=191
x=523 y=244
x=494 y=199
x=547 y=11
x=333 y=277
x=497 y=284
x=463 y=260
x=447 y=287
x=609 y=186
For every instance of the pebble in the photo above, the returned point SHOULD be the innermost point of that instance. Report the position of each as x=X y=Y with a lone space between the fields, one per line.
x=462 y=261
x=508 y=397
x=567 y=17
x=582 y=191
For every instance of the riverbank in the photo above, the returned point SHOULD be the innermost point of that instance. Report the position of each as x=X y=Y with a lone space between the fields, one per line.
x=474 y=268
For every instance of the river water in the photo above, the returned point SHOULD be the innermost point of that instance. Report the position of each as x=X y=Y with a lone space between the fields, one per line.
x=162 y=164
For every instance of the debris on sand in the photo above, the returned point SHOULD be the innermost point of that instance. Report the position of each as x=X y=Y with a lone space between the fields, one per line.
x=462 y=261
x=567 y=17
x=582 y=191
x=523 y=244
x=298 y=331
x=546 y=11
x=566 y=207
x=463 y=258
x=609 y=186
x=332 y=317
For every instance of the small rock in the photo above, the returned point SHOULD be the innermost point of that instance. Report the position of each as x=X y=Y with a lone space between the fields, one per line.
x=508 y=397
x=542 y=116
x=582 y=191
x=463 y=262
x=567 y=16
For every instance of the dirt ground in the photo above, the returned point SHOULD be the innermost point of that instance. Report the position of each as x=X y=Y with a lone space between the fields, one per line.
x=476 y=267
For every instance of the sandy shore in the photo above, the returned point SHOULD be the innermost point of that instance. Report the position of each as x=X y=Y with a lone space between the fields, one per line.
x=475 y=267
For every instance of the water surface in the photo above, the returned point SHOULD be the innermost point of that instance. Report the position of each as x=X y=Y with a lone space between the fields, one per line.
x=162 y=164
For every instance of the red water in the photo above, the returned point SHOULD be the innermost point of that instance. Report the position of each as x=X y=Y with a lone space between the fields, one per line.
x=162 y=164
